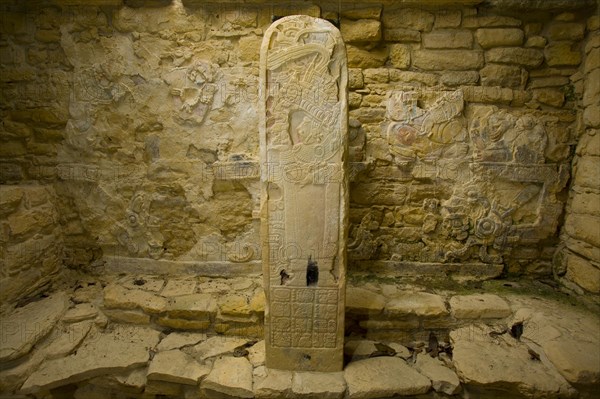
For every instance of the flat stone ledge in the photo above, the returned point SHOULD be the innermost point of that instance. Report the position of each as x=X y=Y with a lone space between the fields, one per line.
x=482 y=306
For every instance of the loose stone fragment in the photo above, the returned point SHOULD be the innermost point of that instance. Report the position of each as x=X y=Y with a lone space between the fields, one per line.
x=177 y=367
x=381 y=377
x=230 y=376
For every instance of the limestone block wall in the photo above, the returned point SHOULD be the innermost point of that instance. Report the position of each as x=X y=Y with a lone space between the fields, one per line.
x=578 y=260
x=30 y=241
x=143 y=116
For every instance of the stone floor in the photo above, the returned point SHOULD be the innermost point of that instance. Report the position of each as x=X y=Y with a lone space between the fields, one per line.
x=152 y=337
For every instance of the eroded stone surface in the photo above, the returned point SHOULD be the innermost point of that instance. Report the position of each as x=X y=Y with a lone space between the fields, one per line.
x=177 y=340
x=318 y=385
x=383 y=377
x=504 y=364
x=176 y=366
x=479 y=306
x=304 y=196
x=112 y=351
x=218 y=345
x=230 y=376
x=27 y=325
x=274 y=384
x=417 y=303
x=442 y=378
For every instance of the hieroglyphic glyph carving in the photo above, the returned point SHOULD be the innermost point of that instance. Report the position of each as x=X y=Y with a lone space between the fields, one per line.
x=304 y=195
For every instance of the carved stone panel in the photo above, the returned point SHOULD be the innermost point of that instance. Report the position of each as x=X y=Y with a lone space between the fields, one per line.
x=304 y=197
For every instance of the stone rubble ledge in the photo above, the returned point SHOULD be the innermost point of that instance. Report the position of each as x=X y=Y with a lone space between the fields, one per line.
x=557 y=355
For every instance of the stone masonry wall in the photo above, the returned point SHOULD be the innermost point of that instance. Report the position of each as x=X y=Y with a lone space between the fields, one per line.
x=578 y=260
x=144 y=118
x=30 y=241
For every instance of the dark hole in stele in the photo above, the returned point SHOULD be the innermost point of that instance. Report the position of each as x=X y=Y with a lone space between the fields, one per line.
x=312 y=272
x=284 y=276
x=306 y=357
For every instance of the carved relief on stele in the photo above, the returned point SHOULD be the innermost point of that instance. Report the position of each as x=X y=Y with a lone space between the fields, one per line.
x=304 y=197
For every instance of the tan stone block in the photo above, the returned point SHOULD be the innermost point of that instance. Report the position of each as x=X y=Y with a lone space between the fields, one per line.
x=584 y=227
x=551 y=81
x=589 y=143
x=479 y=306
x=375 y=325
x=234 y=305
x=363 y=30
x=562 y=54
x=177 y=367
x=566 y=31
x=536 y=42
x=184 y=324
x=591 y=116
x=318 y=385
x=592 y=61
x=502 y=75
x=276 y=384
x=459 y=78
x=586 y=202
x=118 y=297
x=363 y=301
x=360 y=58
x=400 y=55
x=354 y=100
x=257 y=302
x=497 y=37
x=592 y=42
x=527 y=57
x=12 y=149
x=421 y=78
x=376 y=75
x=482 y=94
x=401 y=35
x=490 y=21
x=358 y=12
x=591 y=92
x=355 y=78
x=408 y=18
x=447 y=59
x=549 y=96
x=193 y=306
x=593 y=23
x=447 y=19
x=582 y=272
x=47 y=35
x=127 y=316
x=417 y=303
x=10 y=198
x=230 y=376
x=448 y=39
x=586 y=172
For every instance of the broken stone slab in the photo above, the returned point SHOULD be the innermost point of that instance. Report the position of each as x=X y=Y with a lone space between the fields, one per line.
x=256 y=353
x=312 y=385
x=479 y=306
x=177 y=340
x=122 y=348
x=118 y=297
x=569 y=337
x=127 y=316
x=502 y=363
x=66 y=338
x=179 y=287
x=184 y=324
x=417 y=303
x=234 y=305
x=230 y=376
x=401 y=350
x=192 y=307
x=130 y=381
x=363 y=301
x=442 y=378
x=177 y=367
x=217 y=345
x=381 y=377
x=275 y=384
x=359 y=349
x=24 y=327
x=81 y=311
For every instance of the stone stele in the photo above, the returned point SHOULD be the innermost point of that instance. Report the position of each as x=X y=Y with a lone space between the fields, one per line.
x=304 y=197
